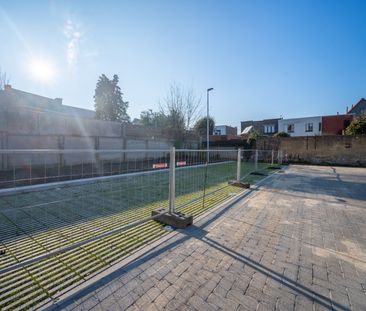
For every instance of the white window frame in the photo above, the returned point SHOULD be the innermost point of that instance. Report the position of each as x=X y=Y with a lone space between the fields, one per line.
x=288 y=127
x=309 y=127
x=268 y=129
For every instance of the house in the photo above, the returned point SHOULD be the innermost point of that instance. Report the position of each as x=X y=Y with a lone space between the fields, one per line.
x=358 y=109
x=309 y=126
x=225 y=130
x=10 y=97
x=267 y=127
x=223 y=133
x=335 y=125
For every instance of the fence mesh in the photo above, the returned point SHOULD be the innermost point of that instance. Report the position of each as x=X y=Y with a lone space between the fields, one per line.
x=199 y=174
x=77 y=200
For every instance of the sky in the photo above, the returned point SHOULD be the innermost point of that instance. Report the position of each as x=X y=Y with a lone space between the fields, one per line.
x=264 y=59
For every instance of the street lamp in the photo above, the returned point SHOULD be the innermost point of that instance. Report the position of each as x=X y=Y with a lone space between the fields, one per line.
x=208 y=121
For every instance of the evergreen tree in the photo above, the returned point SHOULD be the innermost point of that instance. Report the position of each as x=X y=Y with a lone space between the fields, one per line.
x=200 y=127
x=109 y=104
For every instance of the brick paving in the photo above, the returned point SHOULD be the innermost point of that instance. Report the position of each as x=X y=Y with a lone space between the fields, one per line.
x=297 y=242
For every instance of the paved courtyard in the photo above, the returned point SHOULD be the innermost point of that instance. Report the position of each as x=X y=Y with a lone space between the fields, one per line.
x=296 y=242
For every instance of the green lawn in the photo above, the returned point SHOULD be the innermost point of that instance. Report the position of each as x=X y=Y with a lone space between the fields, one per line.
x=36 y=223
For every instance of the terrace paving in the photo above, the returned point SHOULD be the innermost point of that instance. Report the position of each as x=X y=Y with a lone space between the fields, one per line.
x=296 y=242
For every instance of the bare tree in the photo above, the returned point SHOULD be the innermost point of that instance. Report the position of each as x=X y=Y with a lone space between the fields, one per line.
x=181 y=109
x=192 y=108
x=182 y=102
x=4 y=79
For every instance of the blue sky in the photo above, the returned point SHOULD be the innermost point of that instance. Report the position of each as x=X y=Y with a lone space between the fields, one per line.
x=264 y=58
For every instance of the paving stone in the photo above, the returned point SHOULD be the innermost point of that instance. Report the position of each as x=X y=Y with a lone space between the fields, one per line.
x=221 y=302
x=170 y=292
x=89 y=303
x=241 y=299
x=126 y=301
x=263 y=306
x=143 y=301
x=173 y=304
x=220 y=291
x=110 y=305
x=162 y=285
x=199 y=304
x=152 y=307
x=161 y=301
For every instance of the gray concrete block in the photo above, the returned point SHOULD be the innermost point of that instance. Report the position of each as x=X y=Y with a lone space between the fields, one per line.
x=176 y=220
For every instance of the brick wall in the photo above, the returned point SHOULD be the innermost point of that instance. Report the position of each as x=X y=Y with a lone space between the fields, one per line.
x=337 y=150
x=335 y=125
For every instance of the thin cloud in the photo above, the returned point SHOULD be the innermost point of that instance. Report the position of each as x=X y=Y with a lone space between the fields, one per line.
x=73 y=36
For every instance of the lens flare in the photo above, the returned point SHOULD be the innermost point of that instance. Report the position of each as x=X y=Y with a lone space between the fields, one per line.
x=42 y=70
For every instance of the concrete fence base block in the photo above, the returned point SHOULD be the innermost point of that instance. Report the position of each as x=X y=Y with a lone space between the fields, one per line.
x=274 y=167
x=257 y=173
x=239 y=184
x=176 y=220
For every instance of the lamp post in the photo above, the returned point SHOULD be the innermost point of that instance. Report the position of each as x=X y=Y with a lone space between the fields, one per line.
x=208 y=124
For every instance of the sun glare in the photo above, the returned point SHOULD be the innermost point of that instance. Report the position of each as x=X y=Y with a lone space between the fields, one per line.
x=42 y=70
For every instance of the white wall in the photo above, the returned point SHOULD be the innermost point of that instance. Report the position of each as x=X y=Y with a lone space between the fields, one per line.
x=299 y=126
x=221 y=128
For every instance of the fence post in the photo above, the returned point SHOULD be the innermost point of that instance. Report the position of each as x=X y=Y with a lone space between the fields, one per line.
x=238 y=168
x=256 y=160
x=272 y=160
x=172 y=181
x=280 y=156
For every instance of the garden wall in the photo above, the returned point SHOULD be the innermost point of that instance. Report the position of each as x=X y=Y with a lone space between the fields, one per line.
x=22 y=128
x=336 y=150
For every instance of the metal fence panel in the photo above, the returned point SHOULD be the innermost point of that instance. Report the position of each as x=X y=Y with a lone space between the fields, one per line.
x=92 y=207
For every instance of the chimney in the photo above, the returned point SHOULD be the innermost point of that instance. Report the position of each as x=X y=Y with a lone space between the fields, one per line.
x=7 y=87
x=58 y=101
x=347 y=109
x=337 y=113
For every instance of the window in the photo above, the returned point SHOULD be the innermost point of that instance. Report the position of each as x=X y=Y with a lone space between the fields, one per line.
x=268 y=129
x=346 y=123
x=308 y=127
x=320 y=126
x=290 y=128
x=217 y=132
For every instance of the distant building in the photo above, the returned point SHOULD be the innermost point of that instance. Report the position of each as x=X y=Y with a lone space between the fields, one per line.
x=267 y=127
x=309 y=126
x=16 y=98
x=225 y=130
x=335 y=125
x=359 y=108
x=224 y=133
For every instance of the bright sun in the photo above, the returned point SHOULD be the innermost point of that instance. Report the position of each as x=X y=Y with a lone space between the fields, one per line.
x=42 y=70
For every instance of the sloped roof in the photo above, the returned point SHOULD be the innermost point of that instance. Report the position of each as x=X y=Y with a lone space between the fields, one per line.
x=17 y=97
x=354 y=106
